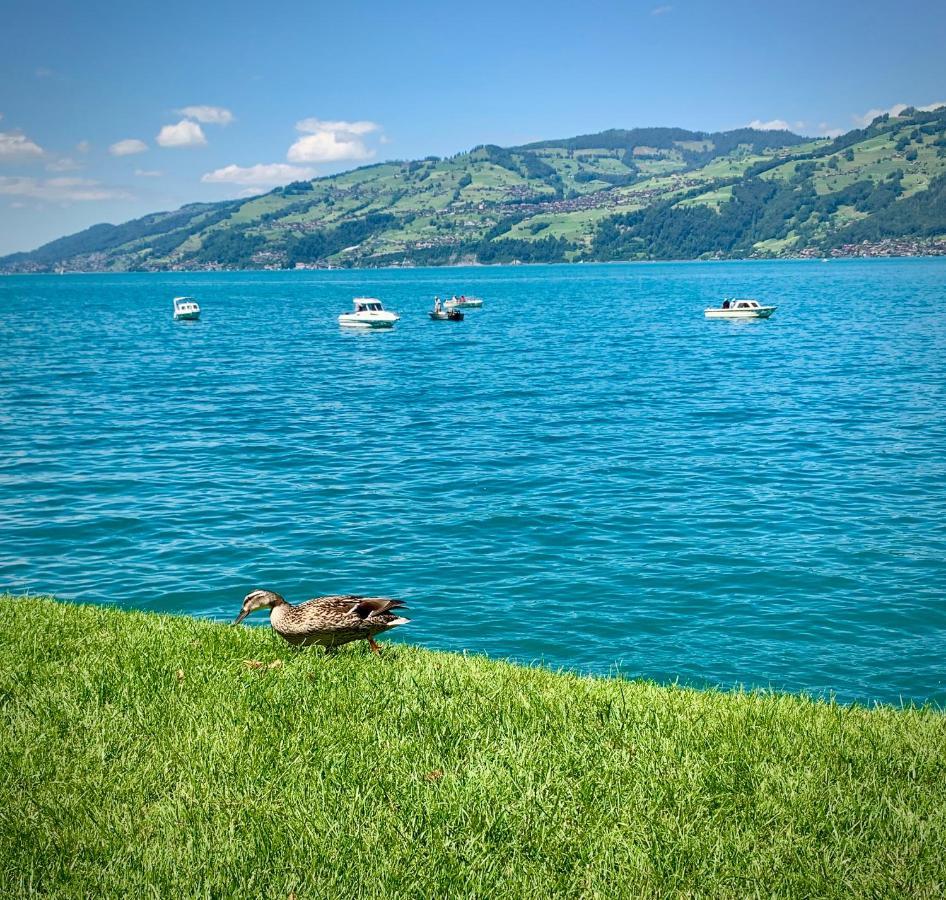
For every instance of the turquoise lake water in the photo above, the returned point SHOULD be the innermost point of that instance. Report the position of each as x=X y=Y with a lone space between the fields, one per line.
x=586 y=473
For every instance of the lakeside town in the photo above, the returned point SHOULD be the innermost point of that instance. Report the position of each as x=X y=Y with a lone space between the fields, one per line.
x=887 y=248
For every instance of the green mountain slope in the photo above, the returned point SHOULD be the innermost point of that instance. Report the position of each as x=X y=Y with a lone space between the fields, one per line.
x=648 y=193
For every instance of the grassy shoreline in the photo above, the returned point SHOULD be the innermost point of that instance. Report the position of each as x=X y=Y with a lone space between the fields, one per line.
x=141 y=754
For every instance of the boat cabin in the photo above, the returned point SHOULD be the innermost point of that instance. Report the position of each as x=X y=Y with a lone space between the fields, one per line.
x=186 y=308
x=741 y=303
x=367 y=304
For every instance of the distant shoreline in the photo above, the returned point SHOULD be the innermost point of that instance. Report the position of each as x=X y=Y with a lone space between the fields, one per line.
x=531 y=265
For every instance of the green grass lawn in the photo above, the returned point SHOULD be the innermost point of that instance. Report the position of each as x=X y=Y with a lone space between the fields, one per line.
x=141 y=756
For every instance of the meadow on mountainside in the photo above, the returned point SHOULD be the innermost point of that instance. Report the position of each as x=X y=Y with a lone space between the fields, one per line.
x=646 y=193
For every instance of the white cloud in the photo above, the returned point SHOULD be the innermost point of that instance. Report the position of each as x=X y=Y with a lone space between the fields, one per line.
x=184 y=134
x=127 y=147
x=14 y=145
x=260 y=175
x=315 y=126
x=328 y=141
x=209 y=115
x=68 y=189
x=63 y=164
x=864 y=120
x=148 y=173
x=825 y=130
x=773 y=125
x=83 y=147
x=661 y=10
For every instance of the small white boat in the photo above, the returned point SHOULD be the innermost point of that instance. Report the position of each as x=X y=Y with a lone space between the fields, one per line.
x=368 y=313
x=186 y=309
x=446 y=315
x=463 y=302
x=739 y=308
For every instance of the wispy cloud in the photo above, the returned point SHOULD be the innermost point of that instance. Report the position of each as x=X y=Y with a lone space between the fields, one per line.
x=331 y=141
x=63 y=164
x=184 y=134
x=661 y=10
x=148 y=173
x=14 y=145
x=61 y=189
x=83 y=147
x=771 y=125
x=209 y=115
x=260 y=175
x=127 y=147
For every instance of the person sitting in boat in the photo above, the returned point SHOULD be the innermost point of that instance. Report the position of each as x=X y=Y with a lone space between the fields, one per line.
x=438 y=306
x=725 y=304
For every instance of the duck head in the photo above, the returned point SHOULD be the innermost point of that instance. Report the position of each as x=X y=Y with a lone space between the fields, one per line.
x=255 y=600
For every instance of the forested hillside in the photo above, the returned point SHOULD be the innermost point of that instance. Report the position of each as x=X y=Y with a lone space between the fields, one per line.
x=647 y=193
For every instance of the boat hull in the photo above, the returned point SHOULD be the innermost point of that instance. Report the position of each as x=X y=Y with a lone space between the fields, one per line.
x=365 y=324
x=464 y=304
x=451 y=316
x=186 y=317
x=763 y=312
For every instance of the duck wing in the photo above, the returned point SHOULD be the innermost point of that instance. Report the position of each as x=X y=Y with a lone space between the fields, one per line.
x=368 y=607
x=355 y=605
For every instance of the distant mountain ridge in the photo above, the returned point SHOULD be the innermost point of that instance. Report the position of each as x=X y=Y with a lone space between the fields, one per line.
x=641 y=193
x=722 y=142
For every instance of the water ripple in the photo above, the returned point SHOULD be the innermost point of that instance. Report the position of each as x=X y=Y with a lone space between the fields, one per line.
x=585 y=473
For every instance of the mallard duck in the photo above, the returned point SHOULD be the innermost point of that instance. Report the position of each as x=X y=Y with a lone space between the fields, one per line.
x=328 y=621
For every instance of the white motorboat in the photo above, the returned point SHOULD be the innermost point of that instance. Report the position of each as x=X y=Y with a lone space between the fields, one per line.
x=739 y=308
x=186 y=309
x=463 y=302
x=368 y=313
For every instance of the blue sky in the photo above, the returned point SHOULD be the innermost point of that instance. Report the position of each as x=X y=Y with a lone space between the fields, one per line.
x=111 y=110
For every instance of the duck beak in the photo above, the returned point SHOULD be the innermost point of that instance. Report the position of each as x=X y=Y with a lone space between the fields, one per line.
x=243 y=614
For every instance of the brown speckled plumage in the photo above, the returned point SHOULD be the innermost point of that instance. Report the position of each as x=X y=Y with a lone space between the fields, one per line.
x=327 y=621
